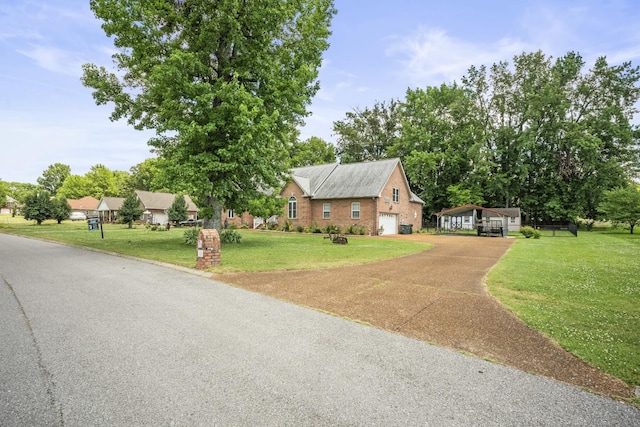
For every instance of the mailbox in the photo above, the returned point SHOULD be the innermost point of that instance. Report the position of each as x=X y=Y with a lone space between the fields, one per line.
x=208 y=249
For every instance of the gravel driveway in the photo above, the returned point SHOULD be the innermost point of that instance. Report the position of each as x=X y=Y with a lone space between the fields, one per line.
x=438 y=296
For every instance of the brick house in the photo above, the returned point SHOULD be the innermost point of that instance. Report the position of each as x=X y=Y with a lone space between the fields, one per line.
x=372 y=195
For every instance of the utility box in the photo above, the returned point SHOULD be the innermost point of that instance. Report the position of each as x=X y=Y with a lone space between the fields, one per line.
x=208 y=249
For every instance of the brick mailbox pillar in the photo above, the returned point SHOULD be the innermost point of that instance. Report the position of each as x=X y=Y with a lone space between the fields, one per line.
x=208 y=248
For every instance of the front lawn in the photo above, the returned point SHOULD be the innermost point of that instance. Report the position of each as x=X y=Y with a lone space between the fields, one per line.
x=259 y=251
x=582 y=292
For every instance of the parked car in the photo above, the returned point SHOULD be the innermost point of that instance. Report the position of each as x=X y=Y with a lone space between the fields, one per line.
x=191 y=222
x=77 y=216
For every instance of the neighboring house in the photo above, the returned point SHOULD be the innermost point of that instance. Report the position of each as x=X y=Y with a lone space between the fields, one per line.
x=230 y=217
x=469 y=217
x=108 y=208
x=371 y=195
x=8 y=205
x=87 y=205
x=513 y=214
x=156 y=205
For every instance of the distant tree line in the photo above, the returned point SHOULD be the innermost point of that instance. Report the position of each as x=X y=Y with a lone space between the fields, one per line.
x=540 y=134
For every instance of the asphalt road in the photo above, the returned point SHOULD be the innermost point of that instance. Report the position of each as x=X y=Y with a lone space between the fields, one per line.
x=90 y=339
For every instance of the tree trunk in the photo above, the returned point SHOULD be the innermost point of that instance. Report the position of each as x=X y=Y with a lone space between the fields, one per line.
x=216 y=219
x=632 y=225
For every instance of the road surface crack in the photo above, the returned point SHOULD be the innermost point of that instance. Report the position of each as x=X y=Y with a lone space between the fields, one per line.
x=46 y=374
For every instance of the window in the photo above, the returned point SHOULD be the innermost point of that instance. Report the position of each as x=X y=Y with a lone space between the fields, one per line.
x=230 y=213
x=513 y=219
x=326 y=210
x=396 y=195
x=293 y=208
x=355 y=210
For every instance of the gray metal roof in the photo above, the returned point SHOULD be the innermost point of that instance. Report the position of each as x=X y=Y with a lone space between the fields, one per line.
x=346 y=181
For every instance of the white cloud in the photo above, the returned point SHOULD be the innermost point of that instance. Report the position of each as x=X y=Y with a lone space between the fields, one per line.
x=55 y=59
x=431 y=56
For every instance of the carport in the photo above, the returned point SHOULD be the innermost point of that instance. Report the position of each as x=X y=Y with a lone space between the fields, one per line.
x=465 y=217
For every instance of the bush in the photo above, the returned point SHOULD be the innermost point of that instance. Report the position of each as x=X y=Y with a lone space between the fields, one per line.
x=190 y=236
x=528 y=231
x=331 y=229
x=536 y=234
x=230 y=236
x=315 y=228
x=300 y=229
x=361 y=231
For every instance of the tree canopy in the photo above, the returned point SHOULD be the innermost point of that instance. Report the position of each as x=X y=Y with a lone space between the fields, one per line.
x=222 y=83
x=38 y=206
x=622 y=206
x=545 y=135
x=313 y=151
x=53 y=177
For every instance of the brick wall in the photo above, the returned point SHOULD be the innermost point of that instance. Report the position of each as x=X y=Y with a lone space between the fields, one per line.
x=311 y=211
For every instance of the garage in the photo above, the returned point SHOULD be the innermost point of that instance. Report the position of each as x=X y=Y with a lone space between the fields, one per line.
x=389 y=223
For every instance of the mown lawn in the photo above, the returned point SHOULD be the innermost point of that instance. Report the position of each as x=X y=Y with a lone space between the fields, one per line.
x=582 y=292
x=258 y=251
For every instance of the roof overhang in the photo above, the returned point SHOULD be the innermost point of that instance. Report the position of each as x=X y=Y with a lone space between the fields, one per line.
x=465 y=208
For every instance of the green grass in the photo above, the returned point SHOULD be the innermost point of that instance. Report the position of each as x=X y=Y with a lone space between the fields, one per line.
x=259 y=251
x=582 y=292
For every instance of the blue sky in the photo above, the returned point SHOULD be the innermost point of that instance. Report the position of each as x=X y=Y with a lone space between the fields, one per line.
x=378 y=50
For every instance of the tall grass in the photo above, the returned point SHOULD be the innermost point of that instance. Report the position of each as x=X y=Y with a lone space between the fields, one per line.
x=582 y=292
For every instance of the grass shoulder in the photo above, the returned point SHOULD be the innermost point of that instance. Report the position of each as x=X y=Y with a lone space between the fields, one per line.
x=582 y=292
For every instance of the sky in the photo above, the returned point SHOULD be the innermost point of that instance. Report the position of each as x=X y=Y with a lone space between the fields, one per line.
x=379 y=49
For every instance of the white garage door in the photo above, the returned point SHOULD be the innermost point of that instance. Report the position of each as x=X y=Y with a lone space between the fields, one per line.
x=389 y=222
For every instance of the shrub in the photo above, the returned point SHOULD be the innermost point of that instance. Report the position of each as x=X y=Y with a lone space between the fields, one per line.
x=361 y=231
x=230 y=236
x=300 y=229
x=528 y=231
x=190 y=236
x=331 y=229
x=315 y=228
x=536 y=234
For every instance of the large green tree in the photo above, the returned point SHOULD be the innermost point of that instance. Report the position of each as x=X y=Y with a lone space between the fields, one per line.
x=313 y=151
x=38 y=206
x=222 y=83
x=53 y=177
x=438 y=145
x=622 y=205
x=102 y=182
x=555 y=137
x=148 y=176
x=75 y=187
x=366 y=135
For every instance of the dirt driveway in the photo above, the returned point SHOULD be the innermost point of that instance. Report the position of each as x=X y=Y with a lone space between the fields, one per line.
x=437 y=296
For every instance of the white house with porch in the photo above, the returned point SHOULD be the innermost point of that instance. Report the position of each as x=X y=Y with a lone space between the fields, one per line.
x=487 y=221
